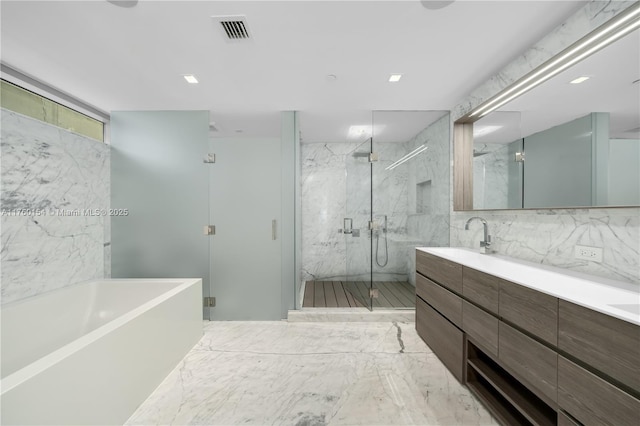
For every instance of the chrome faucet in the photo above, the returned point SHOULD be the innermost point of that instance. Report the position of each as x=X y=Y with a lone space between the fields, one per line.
x=486 y=243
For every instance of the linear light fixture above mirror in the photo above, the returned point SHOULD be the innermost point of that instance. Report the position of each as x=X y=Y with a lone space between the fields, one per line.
x=606 y=34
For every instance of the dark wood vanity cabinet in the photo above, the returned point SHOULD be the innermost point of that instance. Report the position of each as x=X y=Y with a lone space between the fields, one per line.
x=531 y=358
x=481 y=327
x=609 y=345
x=530 y=310
x=445 y=302
x=481 y=289
x=533 y=363
x=445 y=339
x=592 y=400
x=444 y=272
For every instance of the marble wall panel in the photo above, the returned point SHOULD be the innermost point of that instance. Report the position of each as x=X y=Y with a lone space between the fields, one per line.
x=336 y=184
x=59 y=182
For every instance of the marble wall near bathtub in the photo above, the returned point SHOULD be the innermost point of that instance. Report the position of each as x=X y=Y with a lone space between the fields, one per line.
x=550 y=236
x=53 y=174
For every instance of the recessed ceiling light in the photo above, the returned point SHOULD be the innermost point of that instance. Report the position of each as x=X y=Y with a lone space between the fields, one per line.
x=124 y=3
x=434 y=4
x=356 y=132
x=484 y=130
x=579 y=80
x=395 y=78
x=191 y=79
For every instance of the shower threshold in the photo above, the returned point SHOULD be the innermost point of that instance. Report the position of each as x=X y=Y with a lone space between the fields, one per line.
x=350 y=294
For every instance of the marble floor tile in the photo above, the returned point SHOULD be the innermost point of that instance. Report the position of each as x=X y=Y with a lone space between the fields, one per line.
x=351 y=315
x=310 y=373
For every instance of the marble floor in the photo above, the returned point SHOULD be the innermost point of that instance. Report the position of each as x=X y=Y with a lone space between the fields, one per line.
x=310 y=373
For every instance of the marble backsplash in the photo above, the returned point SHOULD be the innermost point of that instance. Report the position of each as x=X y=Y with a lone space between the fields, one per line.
x=550 y=236
x=53 y=174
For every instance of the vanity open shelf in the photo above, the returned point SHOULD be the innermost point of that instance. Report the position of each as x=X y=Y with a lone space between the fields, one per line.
x=506 y=395
x=530 y=350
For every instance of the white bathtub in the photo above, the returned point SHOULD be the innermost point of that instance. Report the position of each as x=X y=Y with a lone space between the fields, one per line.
x=92 y=353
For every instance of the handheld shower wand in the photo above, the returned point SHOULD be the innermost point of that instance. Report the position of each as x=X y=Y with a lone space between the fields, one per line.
x=386 y=247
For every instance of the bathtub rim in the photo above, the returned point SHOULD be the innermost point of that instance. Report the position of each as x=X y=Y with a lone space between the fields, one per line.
x=31 y=370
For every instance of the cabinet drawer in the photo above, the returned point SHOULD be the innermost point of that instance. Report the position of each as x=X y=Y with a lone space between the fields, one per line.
x=593 y=401
x=608 y=344
x=564 y=420
x=481 y=327
x=445 y=302
x=531 y=310
x=444 y=338
x=442 y=271
x=481 y=288
x=529 y=361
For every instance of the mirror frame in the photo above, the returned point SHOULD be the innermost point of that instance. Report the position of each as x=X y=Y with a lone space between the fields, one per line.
x=614 y=29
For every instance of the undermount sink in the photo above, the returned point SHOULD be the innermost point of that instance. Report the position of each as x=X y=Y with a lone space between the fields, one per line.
x=633 y=308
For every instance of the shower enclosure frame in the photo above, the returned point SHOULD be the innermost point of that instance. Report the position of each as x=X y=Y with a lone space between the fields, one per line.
x=359 y=241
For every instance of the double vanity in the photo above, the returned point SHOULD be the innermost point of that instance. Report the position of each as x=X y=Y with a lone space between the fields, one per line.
x=536 y=344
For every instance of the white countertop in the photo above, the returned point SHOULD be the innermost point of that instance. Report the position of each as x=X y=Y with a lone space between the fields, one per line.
x=615 y=298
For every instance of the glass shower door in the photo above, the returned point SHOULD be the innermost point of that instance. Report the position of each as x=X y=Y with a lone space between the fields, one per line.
x=356 y=224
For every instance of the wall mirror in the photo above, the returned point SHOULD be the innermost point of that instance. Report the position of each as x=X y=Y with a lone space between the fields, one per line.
x=571 y=141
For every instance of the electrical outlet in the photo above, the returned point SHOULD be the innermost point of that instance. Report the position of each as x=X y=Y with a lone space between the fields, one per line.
x=594 y=254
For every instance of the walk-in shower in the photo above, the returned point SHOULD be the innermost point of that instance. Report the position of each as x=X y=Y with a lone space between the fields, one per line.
x=360 y=215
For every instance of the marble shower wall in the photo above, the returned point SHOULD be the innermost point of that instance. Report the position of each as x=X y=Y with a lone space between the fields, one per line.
x=335 y=182
x=429 y=191
x=54 y=174
x=390 y=198
x=550 y=236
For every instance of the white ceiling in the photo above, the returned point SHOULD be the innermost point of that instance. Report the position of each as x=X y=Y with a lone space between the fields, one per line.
x=119 y=58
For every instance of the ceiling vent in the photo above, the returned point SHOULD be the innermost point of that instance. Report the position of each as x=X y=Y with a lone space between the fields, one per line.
x=235 y=27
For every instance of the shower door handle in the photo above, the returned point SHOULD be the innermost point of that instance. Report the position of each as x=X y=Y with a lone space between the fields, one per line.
x=274 y=227
x=348 y=225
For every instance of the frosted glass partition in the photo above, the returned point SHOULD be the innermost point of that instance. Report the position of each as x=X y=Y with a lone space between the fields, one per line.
x=159 y=177
x=561 y=163
x=624 y=172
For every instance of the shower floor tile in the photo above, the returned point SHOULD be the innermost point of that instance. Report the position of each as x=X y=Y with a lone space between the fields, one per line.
x=354 y=294
x=280 y=373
